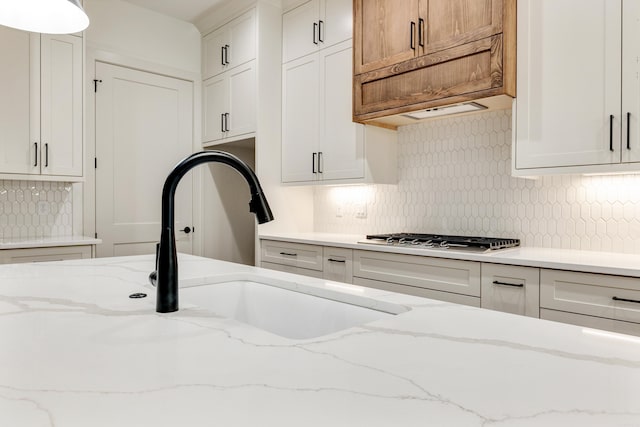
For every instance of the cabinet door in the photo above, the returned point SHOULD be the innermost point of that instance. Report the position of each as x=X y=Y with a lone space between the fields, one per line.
x=448 y=23
x=300 y=31
x=242 y=100
x=214 y=102
x=300 y=118
x=20 y=101
x=569 y=84
x=511 y=289
x=338 y=264
x=385 y=33
x=337 y=22
x=242 y=39
x=213 y=55
x=341 y=145
x=631 y=82
x=61 y=105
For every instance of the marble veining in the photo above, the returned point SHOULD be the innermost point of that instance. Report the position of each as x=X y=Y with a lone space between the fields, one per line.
x=76 y=351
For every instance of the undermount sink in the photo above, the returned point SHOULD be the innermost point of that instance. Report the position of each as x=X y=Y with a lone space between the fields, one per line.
x=284 y=308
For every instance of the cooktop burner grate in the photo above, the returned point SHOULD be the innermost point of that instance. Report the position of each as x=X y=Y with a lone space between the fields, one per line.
x=440 y=241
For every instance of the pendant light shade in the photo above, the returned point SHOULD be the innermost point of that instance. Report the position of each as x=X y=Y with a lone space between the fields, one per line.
x=44 y=16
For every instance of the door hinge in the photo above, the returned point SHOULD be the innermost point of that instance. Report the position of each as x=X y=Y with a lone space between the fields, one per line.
x=95 y=84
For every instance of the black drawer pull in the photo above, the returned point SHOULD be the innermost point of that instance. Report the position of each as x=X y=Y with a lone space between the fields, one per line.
x=626 y=300
x=336 y=260
x=611 y=132
x=412 y=41
x=287 y=254
x=516 y=285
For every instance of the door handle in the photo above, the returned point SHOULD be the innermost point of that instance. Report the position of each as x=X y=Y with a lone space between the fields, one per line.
x=320 y=162
x=46 y=155
x=222 y=55
x=611 y=132
x=517 y=285
x=313 y=162
x=628 y=131
x=35 y=144
x=315 y=31
x=226 y=122
x=188 y=230
x=421 y=32
x=226 y=54
x=413 y=41
x=320 y=25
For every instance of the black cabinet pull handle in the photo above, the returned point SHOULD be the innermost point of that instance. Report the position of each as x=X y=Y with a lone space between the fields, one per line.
x=288 y=254
x=628 y=131
x=313 y=163
x=320 y=25
x=222 y=122
x=611 y=132
x=421 y=32
x=35 y=144
x=320 y=162
x=516 y=285
x=222 y=55
x=315 y=31
x=413 y=30
x=226 y=122
x=46 y=155
x=336 y=260
x=626 y=300
x=226 y=54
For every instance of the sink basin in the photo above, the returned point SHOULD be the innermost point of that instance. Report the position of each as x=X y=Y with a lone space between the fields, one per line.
x=288 y=309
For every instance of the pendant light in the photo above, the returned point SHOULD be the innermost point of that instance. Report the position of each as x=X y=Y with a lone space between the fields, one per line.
x=44 y=16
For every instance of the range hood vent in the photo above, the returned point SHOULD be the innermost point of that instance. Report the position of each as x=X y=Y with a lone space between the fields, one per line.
x=466 y=107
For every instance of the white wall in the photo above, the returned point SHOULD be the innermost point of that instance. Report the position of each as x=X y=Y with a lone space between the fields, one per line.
x=455 y=178
x=129 y=30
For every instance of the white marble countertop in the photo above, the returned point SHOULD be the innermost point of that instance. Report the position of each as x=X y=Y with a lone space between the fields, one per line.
x=77 y=352
x=47 y=242
x=560 y=259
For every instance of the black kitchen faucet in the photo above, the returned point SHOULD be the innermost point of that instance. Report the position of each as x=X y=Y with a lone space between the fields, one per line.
x=165 y=278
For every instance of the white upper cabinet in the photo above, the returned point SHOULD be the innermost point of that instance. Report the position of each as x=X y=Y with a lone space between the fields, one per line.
x=41 y=107
x=229 y=46
x=229 y=104
x=229 y=88
x=577 y=87
x=314 y=25
x=320 y=141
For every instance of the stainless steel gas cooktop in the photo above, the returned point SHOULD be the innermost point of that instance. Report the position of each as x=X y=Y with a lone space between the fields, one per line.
x=439 y=241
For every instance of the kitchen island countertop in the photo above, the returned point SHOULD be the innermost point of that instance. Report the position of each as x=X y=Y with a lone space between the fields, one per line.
x=77 y=351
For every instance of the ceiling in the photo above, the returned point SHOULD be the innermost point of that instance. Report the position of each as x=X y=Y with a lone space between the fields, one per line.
x=185 y=10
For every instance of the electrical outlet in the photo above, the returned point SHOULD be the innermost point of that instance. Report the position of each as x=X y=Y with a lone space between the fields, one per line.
x=43 y=208
x=361 y=210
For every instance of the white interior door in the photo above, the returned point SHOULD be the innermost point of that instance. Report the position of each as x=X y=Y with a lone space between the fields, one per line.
x=144 y=126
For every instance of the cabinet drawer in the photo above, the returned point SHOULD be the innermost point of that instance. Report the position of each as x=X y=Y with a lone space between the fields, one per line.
x=591 y=294
x=461 y=277
x=292 y=254
x=591 y=322
x=338 y=264
x=14 y=256
x=290 y=269
x=511 y=289
x=419 y=292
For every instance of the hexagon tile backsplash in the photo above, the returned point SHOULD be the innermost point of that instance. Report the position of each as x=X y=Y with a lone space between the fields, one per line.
x=455 y=177
x=32 y=209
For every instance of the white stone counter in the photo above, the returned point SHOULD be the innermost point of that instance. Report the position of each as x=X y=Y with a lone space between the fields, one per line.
x=77 y=352
x=560 y=259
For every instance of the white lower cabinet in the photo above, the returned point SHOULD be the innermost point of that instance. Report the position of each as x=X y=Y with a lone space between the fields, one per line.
x=308 y=260
x=511 y=289
x=61 y=253
x=593 y=300
x=444 y=279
